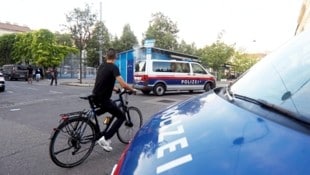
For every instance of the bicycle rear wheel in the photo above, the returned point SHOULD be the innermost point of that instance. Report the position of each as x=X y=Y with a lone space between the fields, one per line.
x=72 y=142
x=131 y=125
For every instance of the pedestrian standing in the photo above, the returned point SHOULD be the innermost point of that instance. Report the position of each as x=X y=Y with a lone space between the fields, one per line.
x=30 y=74
x=54 y=75
x=38 y=74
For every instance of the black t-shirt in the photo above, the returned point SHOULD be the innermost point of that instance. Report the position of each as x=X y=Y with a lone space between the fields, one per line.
x=105 y=81
x=30 y=70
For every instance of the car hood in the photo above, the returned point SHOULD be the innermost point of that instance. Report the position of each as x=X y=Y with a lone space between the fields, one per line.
x=209 y=135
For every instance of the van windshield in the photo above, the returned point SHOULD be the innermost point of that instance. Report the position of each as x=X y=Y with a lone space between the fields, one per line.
x=140 y=66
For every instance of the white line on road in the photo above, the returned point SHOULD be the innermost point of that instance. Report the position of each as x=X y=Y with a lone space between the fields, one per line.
x=55 y=92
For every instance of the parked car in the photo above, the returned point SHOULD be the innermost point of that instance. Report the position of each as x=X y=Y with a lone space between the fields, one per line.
x=15 y=72
x=258 y=125
x=2 y=82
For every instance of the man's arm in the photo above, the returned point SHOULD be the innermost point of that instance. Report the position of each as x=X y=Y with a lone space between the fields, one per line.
x=124 y=84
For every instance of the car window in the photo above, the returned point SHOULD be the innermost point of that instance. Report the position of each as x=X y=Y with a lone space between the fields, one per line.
x=198 y=69
x=281 y=78
x=179 y=67
x=162 y=66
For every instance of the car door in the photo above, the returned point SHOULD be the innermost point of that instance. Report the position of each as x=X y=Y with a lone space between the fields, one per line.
x=198 y=76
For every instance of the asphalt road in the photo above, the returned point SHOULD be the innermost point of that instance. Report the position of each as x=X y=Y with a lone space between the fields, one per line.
x=29 y=112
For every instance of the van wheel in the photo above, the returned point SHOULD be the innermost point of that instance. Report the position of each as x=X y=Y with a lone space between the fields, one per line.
x=207 y=87
x=145 y=92
x=159 y=89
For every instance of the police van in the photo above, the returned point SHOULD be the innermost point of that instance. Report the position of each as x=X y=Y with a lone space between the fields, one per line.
x=159 y=76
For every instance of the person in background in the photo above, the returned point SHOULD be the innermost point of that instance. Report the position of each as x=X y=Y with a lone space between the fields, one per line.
x=38 y=74
x=30 y=74
x=54 y=75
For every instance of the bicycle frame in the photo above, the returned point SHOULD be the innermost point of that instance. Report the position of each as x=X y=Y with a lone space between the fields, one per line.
x=92 y=116
x=80 y=130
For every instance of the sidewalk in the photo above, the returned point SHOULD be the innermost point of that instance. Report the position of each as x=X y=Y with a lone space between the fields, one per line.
x=88 y=82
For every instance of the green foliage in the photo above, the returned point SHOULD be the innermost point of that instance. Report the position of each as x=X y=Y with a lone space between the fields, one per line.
x=242 y=62
x=80 y=22
x=216 y=55
x=22 y=51
x=39 y=48
x=128 y=38
x=163 y=30
x=6 y=47
x=64 y=39
x=190 y=49
x=100 y=37
x=116 y=44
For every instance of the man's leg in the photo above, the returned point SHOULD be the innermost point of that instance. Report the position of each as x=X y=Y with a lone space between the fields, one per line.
x=105 y=141
x=120 y=117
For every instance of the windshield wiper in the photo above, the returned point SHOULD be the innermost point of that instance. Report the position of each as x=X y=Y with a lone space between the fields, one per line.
x=275 y=108
x=229 y=94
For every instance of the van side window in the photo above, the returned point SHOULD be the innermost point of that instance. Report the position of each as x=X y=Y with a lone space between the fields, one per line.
x=162 y=67
x=180 y=67
x=198 y=69
x=185 y=68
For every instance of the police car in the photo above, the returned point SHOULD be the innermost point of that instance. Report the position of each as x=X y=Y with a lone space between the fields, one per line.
x=258 y=125
x=159 y=76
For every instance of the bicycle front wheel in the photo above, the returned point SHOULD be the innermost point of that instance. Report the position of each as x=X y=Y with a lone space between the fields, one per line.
x=72 y=142
x=131 y=125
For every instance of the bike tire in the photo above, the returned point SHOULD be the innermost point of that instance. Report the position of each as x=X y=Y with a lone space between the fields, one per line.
x=69 y=145
x=127 y=131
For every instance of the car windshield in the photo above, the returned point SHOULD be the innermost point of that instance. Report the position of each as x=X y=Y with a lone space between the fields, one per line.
x=281 y=78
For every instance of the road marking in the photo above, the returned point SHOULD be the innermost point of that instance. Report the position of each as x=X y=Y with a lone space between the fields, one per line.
x=23 y=103
x=16 y=109
x=55 y=92
x=32 y=88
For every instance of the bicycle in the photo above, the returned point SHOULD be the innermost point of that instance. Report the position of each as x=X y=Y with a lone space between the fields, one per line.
x=76 y=135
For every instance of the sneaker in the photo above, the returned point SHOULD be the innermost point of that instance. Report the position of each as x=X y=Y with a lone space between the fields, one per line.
x=105 y=144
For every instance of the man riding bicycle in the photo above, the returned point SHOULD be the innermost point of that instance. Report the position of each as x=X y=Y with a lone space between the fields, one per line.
x=107 y=74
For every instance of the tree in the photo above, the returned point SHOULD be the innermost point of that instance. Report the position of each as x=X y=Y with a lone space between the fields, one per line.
x=46 y=52
x=22 y=52
x=216 y=55
x=128 y=38
x=6 y=47
x=190 y=49
x=242 y=62
x=80 y=22
x=163 y=30
x=100 y=38
x=116 y=44
x=40 y=48
x=64 y=39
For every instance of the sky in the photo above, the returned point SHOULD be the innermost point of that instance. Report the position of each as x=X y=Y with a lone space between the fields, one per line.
x=252 y=25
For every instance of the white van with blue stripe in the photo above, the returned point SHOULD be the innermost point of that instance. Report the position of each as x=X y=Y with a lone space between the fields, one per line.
x=159 y=76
